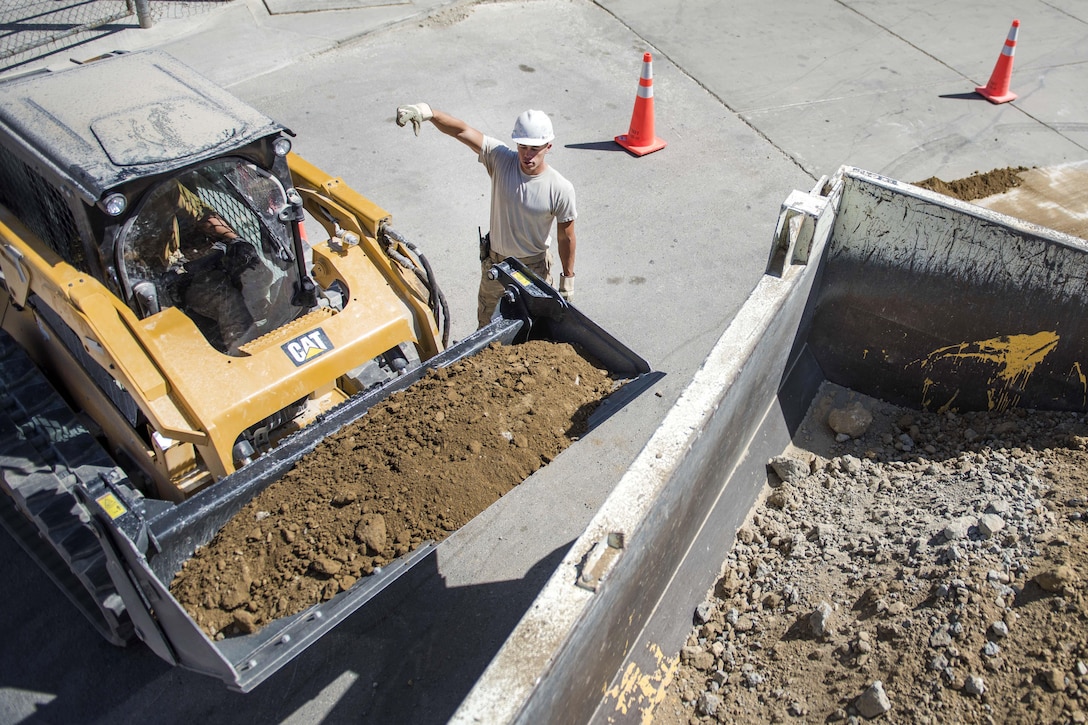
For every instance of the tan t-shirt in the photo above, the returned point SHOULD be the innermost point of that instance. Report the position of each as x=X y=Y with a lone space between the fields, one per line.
x=523 y=206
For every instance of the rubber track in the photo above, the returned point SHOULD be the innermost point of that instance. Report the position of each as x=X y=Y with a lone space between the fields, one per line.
x=44 y=453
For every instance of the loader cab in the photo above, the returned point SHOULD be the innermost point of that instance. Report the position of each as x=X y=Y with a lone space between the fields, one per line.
x=106 y=183
x=213 y=241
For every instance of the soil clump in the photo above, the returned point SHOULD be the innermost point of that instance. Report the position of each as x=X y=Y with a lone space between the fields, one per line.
x=1054 y=197
x=417 y=467
x=977 y=185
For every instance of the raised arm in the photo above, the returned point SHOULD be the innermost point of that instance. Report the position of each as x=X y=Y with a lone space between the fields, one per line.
x=417 y=113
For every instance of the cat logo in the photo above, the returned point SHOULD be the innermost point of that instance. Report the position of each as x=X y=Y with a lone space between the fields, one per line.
x=305 y=348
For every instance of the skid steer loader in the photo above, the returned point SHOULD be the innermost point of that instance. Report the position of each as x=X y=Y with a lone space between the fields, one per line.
x=172 y=343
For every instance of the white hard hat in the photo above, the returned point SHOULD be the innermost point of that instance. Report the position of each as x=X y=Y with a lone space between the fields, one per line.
x=533 y=128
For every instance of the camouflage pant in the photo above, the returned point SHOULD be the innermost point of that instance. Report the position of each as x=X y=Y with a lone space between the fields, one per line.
x=491 y=290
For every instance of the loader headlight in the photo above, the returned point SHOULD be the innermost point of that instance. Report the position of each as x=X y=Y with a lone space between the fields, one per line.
x=281 y=146
x=115 y=204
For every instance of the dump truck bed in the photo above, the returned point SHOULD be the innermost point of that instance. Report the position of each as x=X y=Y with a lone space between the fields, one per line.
x=872 y=284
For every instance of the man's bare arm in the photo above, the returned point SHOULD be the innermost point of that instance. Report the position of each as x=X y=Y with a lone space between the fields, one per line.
x=458 y=129
x=568 y=244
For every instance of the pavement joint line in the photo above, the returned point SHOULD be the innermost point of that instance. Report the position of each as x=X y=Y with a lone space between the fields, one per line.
x=970 y=80
x=896 y=35
x=657 y=52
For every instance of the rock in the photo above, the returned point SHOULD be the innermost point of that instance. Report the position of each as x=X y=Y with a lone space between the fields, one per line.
x=940 y=638
x=990 y=524
x=709 y=703
x=873 y=702
x=791 y=468
x=744 y=623
x=1056 y=579
x=895 y=609
x=370 y=531
x=778 y=500
x=853 y=420
x=698 y=658
x=326 y=566
x=850 y=465
x=1054 y=679
x=956 y=529
x=974 y=685
x=730 y=582
x=704 y=612
x=819 y=621
x=999 y=629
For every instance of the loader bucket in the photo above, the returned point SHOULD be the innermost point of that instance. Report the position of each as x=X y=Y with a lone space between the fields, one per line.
x=151 y=540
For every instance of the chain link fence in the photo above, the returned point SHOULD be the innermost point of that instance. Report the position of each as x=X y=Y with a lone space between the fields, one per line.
x=33 y=29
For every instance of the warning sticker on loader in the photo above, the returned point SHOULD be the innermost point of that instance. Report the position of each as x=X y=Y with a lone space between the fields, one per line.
x=111 y=505
x=305 y=348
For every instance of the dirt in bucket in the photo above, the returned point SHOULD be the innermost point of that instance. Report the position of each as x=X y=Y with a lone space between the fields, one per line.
x=417 y=467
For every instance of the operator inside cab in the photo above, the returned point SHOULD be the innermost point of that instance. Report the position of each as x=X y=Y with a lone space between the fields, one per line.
x=210 y=243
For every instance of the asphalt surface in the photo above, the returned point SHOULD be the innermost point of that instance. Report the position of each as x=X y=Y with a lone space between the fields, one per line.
x=754 y=100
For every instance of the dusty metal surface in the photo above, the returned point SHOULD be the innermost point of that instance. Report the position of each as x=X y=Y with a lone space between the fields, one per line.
x=95 y=146
x=932 y=302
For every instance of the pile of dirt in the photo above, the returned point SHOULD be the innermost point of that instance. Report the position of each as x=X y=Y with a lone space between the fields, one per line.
x=930 y=569
x=977 y=185
x=415 y=468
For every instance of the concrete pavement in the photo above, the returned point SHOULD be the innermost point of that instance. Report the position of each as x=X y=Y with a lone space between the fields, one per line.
x=754 y=99
x=232 y=40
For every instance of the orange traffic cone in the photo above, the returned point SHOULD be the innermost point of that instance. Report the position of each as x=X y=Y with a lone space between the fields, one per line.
x=640 y=139
x=997 y=90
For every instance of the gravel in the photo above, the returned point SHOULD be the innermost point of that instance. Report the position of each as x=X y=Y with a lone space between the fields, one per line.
x=903 y=565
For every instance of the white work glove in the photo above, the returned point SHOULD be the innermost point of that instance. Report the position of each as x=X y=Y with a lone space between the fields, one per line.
x=566 y=287
x=415 y=114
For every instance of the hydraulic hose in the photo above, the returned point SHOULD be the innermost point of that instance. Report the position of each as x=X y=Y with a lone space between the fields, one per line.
x=437 y=300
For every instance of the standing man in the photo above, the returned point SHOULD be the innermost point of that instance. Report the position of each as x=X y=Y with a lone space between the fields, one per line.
x=526 y=196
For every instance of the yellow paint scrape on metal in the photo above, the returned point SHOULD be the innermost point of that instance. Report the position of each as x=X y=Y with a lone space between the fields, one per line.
x=1013 y=360
x=1078 y=372
x=641 y=692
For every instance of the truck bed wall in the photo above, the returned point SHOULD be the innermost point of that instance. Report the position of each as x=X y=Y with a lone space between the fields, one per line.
x=907 y=295
x=930 y=303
